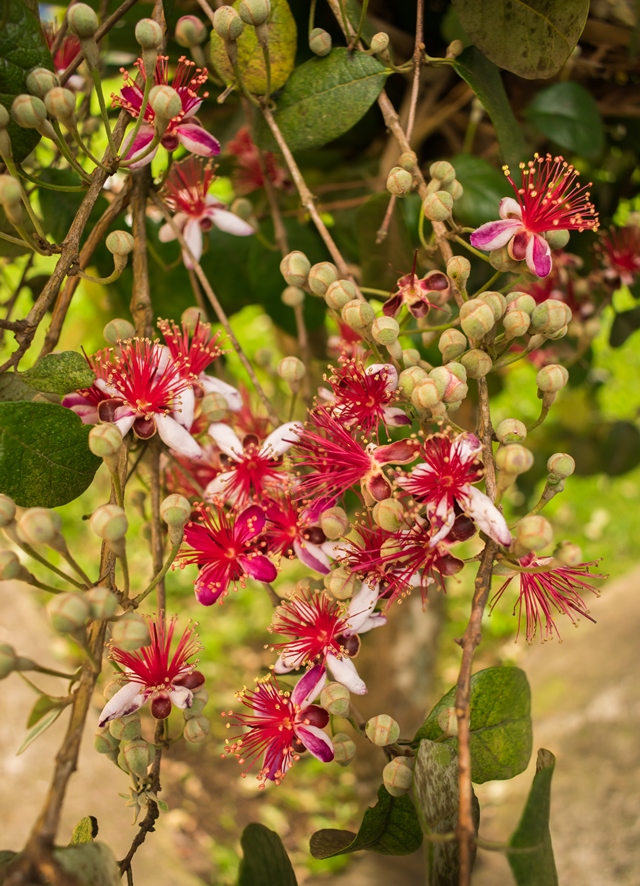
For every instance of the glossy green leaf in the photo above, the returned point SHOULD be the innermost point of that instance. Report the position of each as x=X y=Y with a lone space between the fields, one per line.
x=485 y=80
x=41 y=726
x=383 y=263
x=22 y=47
x=282 y=51
x=265 y=861
x=85 y=831
x=43 y=705
x=535 y=868
x=501 y=734
x=324 y=98
x=45 y=459
x=484 y=188
x=89 y=864
x=568 y=115
x=391 y=827
x=60 y=373
x=530 y=38
x=624 y=325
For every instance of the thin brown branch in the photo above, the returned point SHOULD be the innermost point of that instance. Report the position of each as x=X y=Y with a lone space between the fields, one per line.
x=104 y=28
x=417 y=66
x=141 y=307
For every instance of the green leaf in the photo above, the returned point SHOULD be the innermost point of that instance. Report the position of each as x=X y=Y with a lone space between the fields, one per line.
x=45 y=459
x=85 y=831
x=435 y=791
x=391 y=827
x=536 y=868
x=624 y=325
x=323 y=99
x=40 y=727
x=485 y=80
x=383 y=263
x=484 y=188
x=530 y=38
x=501 y=736
x=283 y=39
x=43 y=705
x=90 y=864
x=13 y=388
x=265 y=861
x=60 y=373
x=568 y=115
x=354 y=11
x=22 y=47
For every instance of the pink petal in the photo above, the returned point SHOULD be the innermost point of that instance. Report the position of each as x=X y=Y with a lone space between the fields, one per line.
x=390 y=371
x=399 y=453
x=197 y=140
x=309 y=686
x=258 y=567
x=395 y=417
x=142 y=141
x=312 y=556
x=176 y=437
x=230 y=222
x=316 y=742
x=487 y=517
x=250 y=523
x=166 y=234
x=125 y=701
x=344 y=671
x=124 y=422
x=495 y=234
x=539 y=256
x=181 y=697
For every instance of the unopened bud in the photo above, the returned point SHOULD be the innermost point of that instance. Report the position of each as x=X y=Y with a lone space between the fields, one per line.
x=8 y=660
x=452 y=343
x=102 y=602
x=39 y=526
x=514 y=458
x=477 y=363
x=511 y=431
x=255 y=12
x=82 y=20
x=385 y=330
x=455 y=189
x=10 y=191
x=379 y=42
x=459 y=268
x=7 y=510
x=448 y=721
x=175 y=510
x=410 y=357
x=443 y=171
x=130 y=632
x=340 y=583
x=190 y=31
x=136 y=753
x=339 y=293
x=496 y=301
x=454 y=49
x=119 y=243
x=126 y=728
x=399 y=181
x=533 y=533
x=293 y=296
x=243 y=208
x=552 y=378
x=196 y=730
x=451 y=381
x=165 y=102
x=321 y=276
x=320 y=42
x=426 y=394
x=214 y=406
x=40 y=81
x=28 y=111
x=550 y=316
x=521 y=301
x=438 y=206
x=334 y=522
x=389 y=514
x=561 y=464
x=344 y=749
x=557 y=239
x=291 y=369
x=397 y=776
x=196 y=709
x=335 y=699
x=104 y=742
x=118 y=330
x=516 y=323
x=68 y=612
x=105 y=440
x=148 y=34
x=500 y=260
x=409 y=378
x=568 y=554
x=295 y=266
x=382 y=730
x=109 y=522
x=477 y=318
x=358 y=315
x=11 y=567
x=227 y=23
x=554 y=336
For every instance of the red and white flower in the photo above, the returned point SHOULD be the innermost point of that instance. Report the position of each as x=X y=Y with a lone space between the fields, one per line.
x=619 y=250
x=248 y=175
x=293 y=532
x=362 y=396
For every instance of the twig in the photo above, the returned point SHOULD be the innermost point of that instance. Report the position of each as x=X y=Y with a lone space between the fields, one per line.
x=104 y=28
x=417 y=66
x=141 y=307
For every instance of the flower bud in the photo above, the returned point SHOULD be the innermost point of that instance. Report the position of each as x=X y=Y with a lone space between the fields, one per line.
x=334 y=522
x=39 y=526
x=7 y=510
x=165 y=102
x=126 y=728
x=496 y=301
x=557 y=239
x=533 y=533
x=514 y=458
x=320 y=42
x=295 y=266
x=339 y=293
x=103 y=603
x=110 y=689
x=454 y=188
x=243 y=208
x=554 y=336
x=292 y=296
x=385 y=330
x=476 y=363
x=8 y=660
x=521 y=301
x=291 y=369
x=109 y=522
x=130 y=632
x=175 y=510
x=379 y=42
x=68 y=612
x=358 y=315
x=227 y=24
x=105 y=440
x=399 y=181
x=409 y=378
x=448 y=721
x=335 y=699
x=344 y=749
x=148 y=34
x=500 y=260
x=136 y=753
x=477 y=318
x=451 y=381
x=443 y=171
x=410 y=357
x=82 y=20
x=552 y=378
x=196 y=709
x=389 y=514
x=255 y=12
x=5 y=117
x=190 y=31
x=119 y=243
x=382 y=730
x=397 y=776
x=104 y=742
x=550 y=316
x=568 y=554
x=511 y=431
x=196 y=730
x=452 y=343
x=11 y=567
x=214 y=406
x=40 y=81
x=321 y=276
x=28 y=111
x=426 y=394
x=561 y=464
x=516 y=323
x=118 y=330
x=438 y=206
x=341 y=584
x=458 y=269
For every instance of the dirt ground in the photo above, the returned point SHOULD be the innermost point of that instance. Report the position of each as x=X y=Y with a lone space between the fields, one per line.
x=586 y=708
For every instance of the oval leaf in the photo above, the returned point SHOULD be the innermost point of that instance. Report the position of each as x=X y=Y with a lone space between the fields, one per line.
x=41 y=726
x=265 y=861
x=45 y=459
x=530 y=38
x=569 y=116
x=283 y=39
x=535 y=868
x=323 y=99
x=60 y=373
x=89 y=863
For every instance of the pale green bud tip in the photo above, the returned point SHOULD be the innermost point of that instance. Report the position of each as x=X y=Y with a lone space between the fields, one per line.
x=103 y=603
x=533 y=533
x=344 y=749
x=455 y=189
x=514 y=458
x=452 y=343
x=385 y=330
x=165 y=102
x=68 y=612
x=39 y=526
x=399 y=181
x=137 y=755
x=60 y=103
x=511 y=431
x=516 y=323
x=496 y=301
x=7 y=510
x=255 y=12
x=148 y=34
x=5 y=117
x=438 y=206
x=28 y=111
x=111 y=688
x=477 y=318
x=175 y=510
x=334 y=522
x=568 y=554
x=10 y=191
x=119 y=243
x=196 y=730
x=214 y=406
x=410 y=357
x=335 y=699
x=550 y=316
x=557 y=239
x=561 y=464
x=552 y=378
x=340 y=583
x=379 y=42
x=500 y=260
x=442 y=171
x=109 y=522
x=408 y=160
x=130 y=632
x=40 y=81
x=295 y=266
x=320 y=42
x=118 y=330
x=389 y=514
x=83 y=22
x=358 y=314
x=105 y=440
x=477 y=363
x=397 y=776
x=426 y=394
x=227 y=23
x=243 y=208
x=291 y=369
x=382 y=730
x=190 y=31
x=10 y=566
x=409 y=378
x=8 y=660
x=521 y=301
x=127 y=728
x=192 y=317
x=459 y=268
x=321 y=276
x=339 y=293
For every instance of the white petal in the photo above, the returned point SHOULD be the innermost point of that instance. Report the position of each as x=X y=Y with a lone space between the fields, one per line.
x=361 y=607
x=176 y=437
x=125 y=701
x=312 y=556
x=226 y=439
x=181 y=697
x=218 y=485
x=193 y=237
x=391 y=371
x=485 y=514
x=445 y=528
x=125 y=423
x=344 y=671
x=215 y=385
x=106 y=388
x=185 y=414
x=285 y=665
x=282 y=439
x=166 y=234
x=374 y=621
x=510 y=208
x=230 y=222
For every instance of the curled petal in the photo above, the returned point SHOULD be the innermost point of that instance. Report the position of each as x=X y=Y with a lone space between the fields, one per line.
x=193 y=237
x=316 y=742
x=250 y=523
x=181 y=697
x=282 y=439
x=197 y=140
x=142 y=141
x=185 y=414
x=361 y=606
x=166 y=233
x=218 y=485
x=344 y=671
x=510 y=208
x=495 y=234
x=539 y=256
x=124 y=422
x=258 y=567
x=309 y=686
x=176 y=437
x=394 y=417
x=226 y=439
x=399 y=453
x=230 y=222
x=125 y=701
x=312 y=556
x=485 y=514
x=212 y=385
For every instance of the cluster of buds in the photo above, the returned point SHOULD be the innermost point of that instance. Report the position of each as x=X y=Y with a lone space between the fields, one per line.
x=442 y=191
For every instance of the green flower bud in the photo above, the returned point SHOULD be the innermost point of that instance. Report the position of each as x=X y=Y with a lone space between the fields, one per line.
x=511 y=431
x=339 y=293
x=148 y=34
x=227 y=23
x=389 y=514
x=561 y=464
x=382 y=730
x=448 y=721
x=214 y=406
x=165 y=102
x=379 y=42
x=500 y=260
x=11 y=567
x=344 y=749
x=426 y=394
x=109 y=522
x=5 y=117
x=477 y=363
x=110 y=689
x=385 y=330
x=341 y=584
x=397 y=776
x=451 y=381
x=442 y=171
x=130 y=632
x=496 y=301
x=554 y=336
x=455 y=49
x=68 y=612
x=557 y=239
x=8 y=660
x=521 y=301
x=295 y=266
x=39 y=526
x=118 y=330
x=452 y=343
x=458 y=269
x=292 y=296
x=320 y=42
x=28 y=111
x=119 y=243
x=122 y=762
x=552 y=378
x=196 y=709
x=476 y=318
x=550 y=316
x=514 y=458
x=82 y=21
x=454 y=188
x=105 y=440
x=102 y=602
x=40 y=81
x=438 y=206
x=127 y=728
x=136 y=753
x=568 y=554
x=516 y=323
x=399 y=181
x=409 y=378
x=7 y=510
x=533 y=533
x=255 y=12
x=321 y=276
x=175 y=510
x=190 y=31
x=358 y=315
x=196 y=730
x=334 y=522
x=410 y=357
x=291 y=369
x=335 y=699
x=104 y=742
